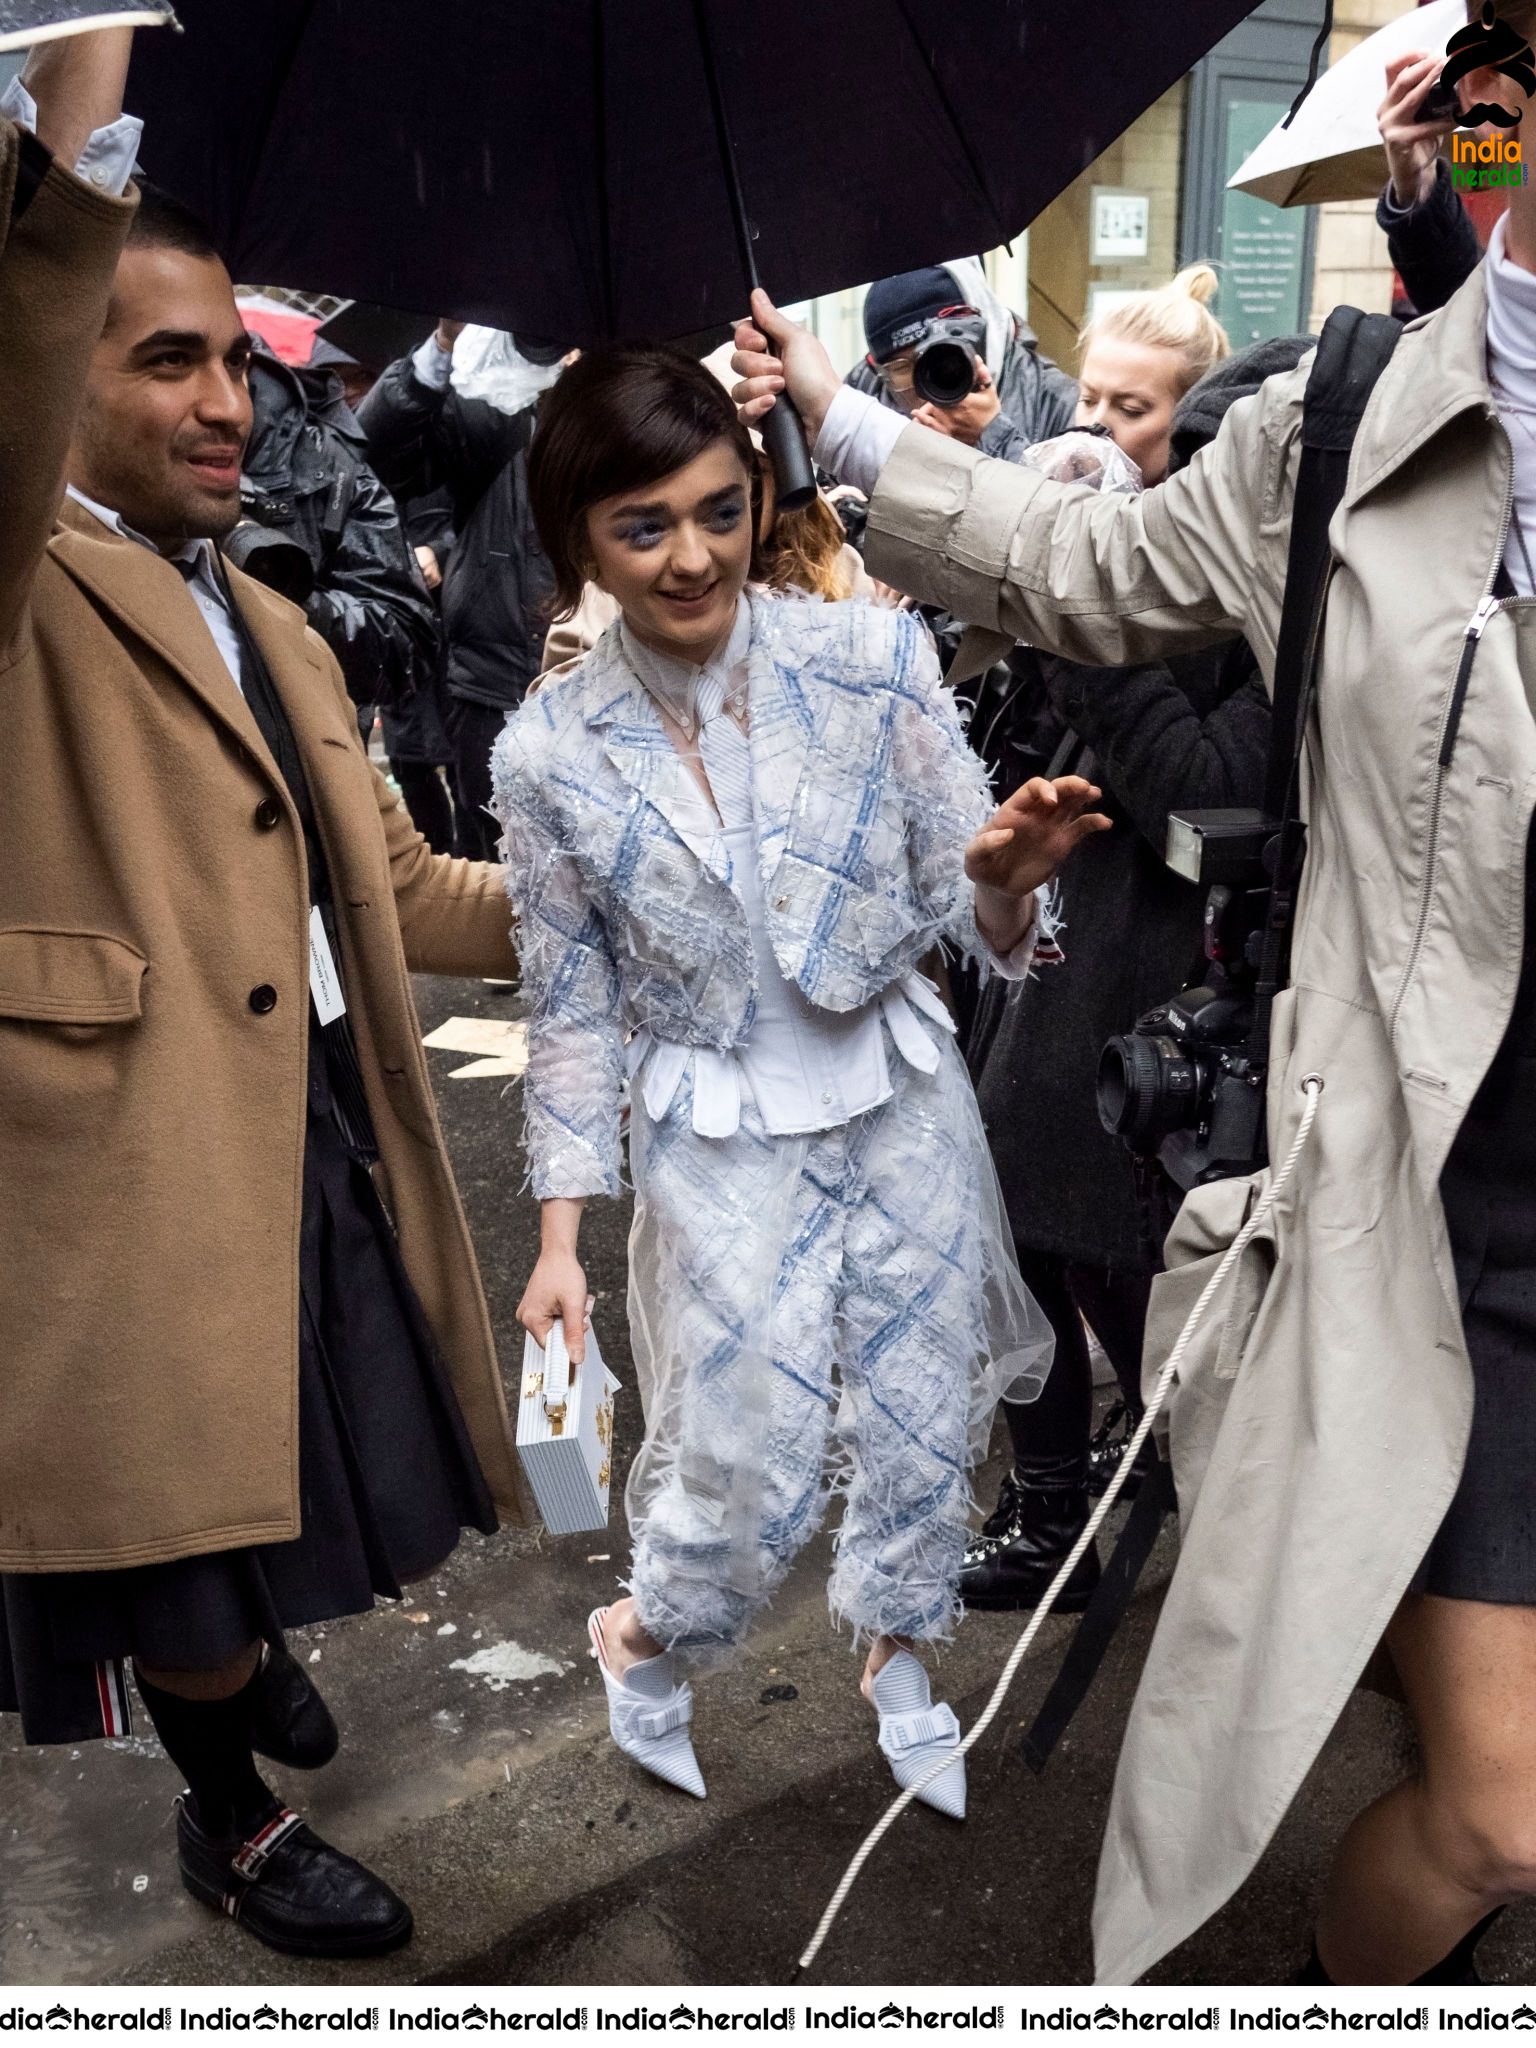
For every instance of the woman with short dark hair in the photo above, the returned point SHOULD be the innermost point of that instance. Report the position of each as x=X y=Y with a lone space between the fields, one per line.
x=733 y=831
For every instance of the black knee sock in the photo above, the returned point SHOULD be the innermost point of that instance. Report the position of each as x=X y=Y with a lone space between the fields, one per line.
x=209 y=1742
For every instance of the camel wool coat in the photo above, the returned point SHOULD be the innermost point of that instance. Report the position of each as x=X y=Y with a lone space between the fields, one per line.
x=152 y=879
x=1320 y=1419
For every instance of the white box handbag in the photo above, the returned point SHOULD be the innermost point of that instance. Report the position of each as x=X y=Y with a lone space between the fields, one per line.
x=565 y=1433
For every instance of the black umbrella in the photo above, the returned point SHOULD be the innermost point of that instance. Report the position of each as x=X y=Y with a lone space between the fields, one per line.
x=556 y=165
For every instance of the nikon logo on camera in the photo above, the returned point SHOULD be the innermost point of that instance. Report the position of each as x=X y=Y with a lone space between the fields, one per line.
x=1487 y=165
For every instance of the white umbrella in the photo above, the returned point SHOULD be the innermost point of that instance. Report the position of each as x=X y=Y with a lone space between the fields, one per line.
x=1333 y=149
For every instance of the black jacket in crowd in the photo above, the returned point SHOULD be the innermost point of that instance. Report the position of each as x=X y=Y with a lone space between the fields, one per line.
x=1188 y=733
x=417 y=731
x=497 y=590
x=1433 y=245
x=318 y=525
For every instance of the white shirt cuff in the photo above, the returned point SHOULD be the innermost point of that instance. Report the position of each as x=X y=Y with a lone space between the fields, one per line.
x=108 y=158
x=432 y=365
x=1036 y=946
x=857 y=437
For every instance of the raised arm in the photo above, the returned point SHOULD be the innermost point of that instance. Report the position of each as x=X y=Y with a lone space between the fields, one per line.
x=1103 y=580
x=60 y=238
x=1430 y=236
x=423 y=437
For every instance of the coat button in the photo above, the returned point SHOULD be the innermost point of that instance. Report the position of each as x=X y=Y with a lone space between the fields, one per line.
x=263 y=998
x=269 y=814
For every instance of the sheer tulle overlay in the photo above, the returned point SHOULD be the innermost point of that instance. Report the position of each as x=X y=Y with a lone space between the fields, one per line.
x=834 y=1313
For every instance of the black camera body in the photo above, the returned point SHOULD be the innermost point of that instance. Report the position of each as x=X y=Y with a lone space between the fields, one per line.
x=1186 y=1085
x=945 y=361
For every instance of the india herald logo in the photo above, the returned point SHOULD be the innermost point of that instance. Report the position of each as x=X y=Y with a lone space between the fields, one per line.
x=1492 y=44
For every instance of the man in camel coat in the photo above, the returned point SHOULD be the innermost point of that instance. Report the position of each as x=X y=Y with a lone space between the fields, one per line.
x=248 y=1377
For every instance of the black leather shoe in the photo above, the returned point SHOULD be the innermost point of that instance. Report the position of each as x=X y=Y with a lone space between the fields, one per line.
x=1012 y=1569
x=291 y=1890
x=289 y=1721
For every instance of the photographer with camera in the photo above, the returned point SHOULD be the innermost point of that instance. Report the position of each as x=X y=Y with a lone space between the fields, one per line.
x=946 y=351
x=1351 y=1420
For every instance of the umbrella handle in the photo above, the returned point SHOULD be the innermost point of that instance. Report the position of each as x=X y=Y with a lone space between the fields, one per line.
x=794 y=474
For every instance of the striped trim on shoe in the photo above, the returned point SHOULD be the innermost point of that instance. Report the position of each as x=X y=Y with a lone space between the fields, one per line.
x=247 y=1862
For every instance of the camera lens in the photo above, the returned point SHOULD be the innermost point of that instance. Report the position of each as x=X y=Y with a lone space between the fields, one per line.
x=1147 y=1087
x=945 y=372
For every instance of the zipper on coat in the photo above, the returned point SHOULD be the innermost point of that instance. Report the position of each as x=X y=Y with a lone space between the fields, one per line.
x=1469 y=646
x=1449 y=730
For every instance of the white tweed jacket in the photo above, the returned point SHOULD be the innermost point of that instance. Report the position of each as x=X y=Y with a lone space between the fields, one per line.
x=865 y=792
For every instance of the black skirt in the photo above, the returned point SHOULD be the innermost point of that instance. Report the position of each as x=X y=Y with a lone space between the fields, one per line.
x=387 y=1480
x=1485 y=1548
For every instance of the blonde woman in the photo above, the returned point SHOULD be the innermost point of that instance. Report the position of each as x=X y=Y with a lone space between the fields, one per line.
x=1140 y=358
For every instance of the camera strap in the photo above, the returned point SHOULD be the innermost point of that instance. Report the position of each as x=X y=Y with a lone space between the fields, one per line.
x=1352 y=351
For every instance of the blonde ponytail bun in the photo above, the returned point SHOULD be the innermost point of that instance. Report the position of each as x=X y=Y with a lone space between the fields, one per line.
x=1176 y=317
x=1198 y=282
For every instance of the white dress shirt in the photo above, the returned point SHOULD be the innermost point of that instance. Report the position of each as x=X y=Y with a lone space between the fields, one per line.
x=858 y=437
x=203 y=582
x=1512 y=378
x=110 y=154
x=806 y=1069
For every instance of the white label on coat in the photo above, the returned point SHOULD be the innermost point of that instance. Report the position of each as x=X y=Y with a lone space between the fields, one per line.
x=324 y=981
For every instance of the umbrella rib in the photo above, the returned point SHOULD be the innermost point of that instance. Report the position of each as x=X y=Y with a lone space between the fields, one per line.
x=1324 y=35
x=956 y=125
x=604 y=204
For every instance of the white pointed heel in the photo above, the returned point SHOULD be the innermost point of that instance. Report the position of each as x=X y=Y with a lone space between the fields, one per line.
x=651 y=1727
x=915 y=1734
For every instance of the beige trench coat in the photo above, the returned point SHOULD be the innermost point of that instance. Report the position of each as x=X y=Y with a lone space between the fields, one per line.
x=152 y=1114
x=1320 y=1422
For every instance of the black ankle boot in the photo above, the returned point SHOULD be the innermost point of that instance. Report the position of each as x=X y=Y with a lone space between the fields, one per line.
x=1107 y=1452
x=1011 y=1565
x=1004 y=1514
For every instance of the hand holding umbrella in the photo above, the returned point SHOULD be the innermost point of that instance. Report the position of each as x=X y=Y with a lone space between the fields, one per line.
x=774 y=354
x=1412 y=145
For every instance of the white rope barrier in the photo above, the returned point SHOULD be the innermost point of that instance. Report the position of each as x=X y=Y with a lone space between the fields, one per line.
x=1312 y=1086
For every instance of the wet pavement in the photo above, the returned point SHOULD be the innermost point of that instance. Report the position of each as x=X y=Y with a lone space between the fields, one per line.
x=476 y=1774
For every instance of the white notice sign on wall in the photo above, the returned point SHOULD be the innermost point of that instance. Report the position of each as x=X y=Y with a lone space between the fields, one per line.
x=1120 y=222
